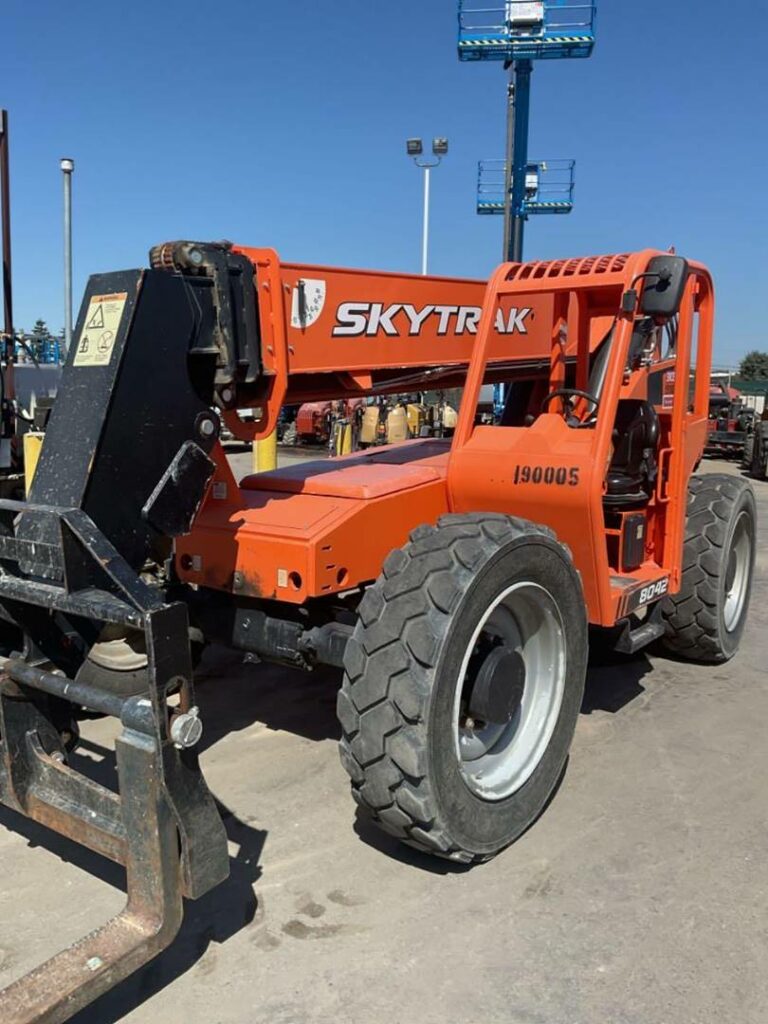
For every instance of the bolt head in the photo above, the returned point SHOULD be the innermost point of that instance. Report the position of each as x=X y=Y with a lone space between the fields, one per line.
x=187 y=729
x=207 y=428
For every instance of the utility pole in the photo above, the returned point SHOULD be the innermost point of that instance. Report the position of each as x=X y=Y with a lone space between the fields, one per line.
x=67 y=167
x=5 y=202
x=8 y=336
x=508 y=156
x=425 y=223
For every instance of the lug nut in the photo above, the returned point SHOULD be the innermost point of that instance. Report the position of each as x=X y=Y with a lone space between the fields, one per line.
x=186 y=729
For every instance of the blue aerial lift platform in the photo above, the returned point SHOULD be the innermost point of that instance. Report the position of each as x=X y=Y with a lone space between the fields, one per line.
x=549 y=186
x=525 y=29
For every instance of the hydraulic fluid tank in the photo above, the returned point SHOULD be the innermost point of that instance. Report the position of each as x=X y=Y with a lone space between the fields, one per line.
x=397 y=425
x=370 y=425
x=417 y=417
x=450 y=417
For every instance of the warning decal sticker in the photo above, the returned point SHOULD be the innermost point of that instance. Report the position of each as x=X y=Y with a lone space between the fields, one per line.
x=97 y=338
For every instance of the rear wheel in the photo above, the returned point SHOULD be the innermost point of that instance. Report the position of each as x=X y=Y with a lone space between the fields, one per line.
x=705 y=620
x=758 y=461
x=463 y=683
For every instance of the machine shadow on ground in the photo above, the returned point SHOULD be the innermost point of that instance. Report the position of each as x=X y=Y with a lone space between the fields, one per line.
x=614 y=681
x=234 y=695
x=213 y=918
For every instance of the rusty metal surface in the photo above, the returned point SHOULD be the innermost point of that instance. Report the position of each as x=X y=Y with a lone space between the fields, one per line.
x=57 y=989
x=163 y=825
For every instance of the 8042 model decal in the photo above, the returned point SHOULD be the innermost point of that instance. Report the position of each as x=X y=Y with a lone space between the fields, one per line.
x=641 y=596
x=560 y=476
x=652 y=591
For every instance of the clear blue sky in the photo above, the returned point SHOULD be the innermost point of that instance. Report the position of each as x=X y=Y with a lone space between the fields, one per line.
x=283 y=124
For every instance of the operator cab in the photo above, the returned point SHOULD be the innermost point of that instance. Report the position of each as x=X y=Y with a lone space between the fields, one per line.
x=640 y=427
x=632 y=471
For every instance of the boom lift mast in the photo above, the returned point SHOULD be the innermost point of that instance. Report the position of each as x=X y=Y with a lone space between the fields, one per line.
x=519 y=32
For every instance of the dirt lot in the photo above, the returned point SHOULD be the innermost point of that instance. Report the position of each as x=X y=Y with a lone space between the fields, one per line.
x=640 y=897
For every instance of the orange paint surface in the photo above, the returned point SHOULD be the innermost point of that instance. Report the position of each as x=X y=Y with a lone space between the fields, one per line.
x=324 y=527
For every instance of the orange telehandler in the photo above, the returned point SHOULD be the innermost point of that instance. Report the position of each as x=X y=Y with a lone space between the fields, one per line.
x=453 y=580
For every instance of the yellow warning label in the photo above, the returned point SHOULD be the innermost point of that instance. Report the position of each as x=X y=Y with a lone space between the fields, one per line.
x=97 y=338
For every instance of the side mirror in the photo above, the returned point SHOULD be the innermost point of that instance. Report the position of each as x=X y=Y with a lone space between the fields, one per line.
x=664 y=286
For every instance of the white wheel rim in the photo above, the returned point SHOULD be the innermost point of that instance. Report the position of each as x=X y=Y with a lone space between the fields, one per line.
x=496 y=759
x=737 y=573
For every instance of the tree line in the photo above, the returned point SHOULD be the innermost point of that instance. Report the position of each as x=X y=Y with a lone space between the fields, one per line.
x=754 y=366
x=36 y=341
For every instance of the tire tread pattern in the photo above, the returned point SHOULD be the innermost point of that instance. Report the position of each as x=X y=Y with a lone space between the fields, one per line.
x=389 y=665
x=691 y=615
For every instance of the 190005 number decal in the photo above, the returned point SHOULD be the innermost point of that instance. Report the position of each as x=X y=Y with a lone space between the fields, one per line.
x=560 y=476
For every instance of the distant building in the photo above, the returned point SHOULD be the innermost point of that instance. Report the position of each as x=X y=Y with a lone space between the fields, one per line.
x=754 y=393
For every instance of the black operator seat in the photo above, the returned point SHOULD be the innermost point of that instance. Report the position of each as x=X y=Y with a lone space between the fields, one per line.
x=633 y=468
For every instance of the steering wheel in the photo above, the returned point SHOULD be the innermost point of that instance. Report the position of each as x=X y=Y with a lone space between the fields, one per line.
x=569 y=394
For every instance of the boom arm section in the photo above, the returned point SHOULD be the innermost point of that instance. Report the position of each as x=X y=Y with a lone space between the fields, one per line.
x=304 y=333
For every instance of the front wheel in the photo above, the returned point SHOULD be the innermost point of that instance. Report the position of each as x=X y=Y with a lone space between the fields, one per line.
x=463 y=683
x=705 y=620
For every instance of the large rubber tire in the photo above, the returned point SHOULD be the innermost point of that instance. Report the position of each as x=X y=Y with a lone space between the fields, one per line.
x=749 y=452
x=758 y=461
x=402 y=665
x=695 y=618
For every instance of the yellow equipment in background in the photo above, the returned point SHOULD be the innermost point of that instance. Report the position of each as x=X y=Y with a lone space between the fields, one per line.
x=397 y=425
x=33 y=443
x=369 y=429
x=417 y=418
x=342 y=437
x=450 y=416
x=265 y=454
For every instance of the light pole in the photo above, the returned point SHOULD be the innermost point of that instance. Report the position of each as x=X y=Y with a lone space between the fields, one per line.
x=67 y=167
x=415 y=149
x=5 y=208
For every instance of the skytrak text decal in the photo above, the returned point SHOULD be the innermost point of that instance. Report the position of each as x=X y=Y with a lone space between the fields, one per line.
x=355 y=319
